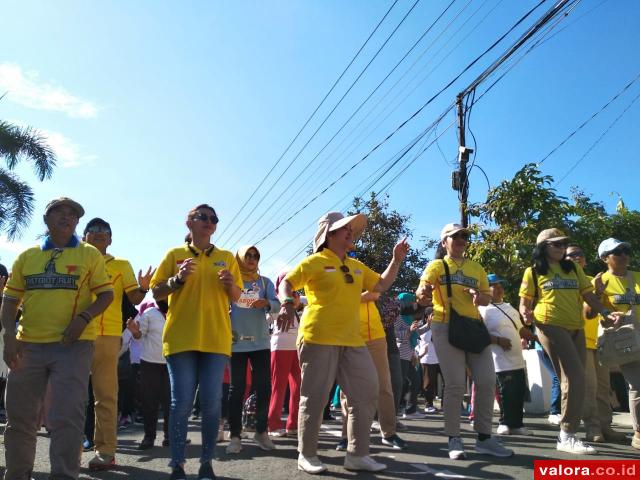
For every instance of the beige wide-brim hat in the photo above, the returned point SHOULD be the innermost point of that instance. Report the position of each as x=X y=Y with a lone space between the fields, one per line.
x=57 y=202
x=332 y=221
x=451 y=229
x=551 y=235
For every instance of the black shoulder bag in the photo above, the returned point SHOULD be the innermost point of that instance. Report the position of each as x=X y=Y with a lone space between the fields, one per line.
x=465 y=333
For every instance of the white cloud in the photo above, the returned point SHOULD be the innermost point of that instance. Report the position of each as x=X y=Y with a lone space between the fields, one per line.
x=26 y=88
x=67 y=151
x=7 y=245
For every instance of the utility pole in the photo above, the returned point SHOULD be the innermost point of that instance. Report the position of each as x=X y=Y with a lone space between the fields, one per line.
x=460 y=180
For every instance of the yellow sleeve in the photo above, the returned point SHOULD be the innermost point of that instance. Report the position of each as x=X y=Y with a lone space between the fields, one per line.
x=166 y=269
x=234 y=268
x=129 y=280
x=15 y=286
x=99 y=281
x=483 y=283
x=296 y=276
x=584 y=285
x=371 y=278
x=527 y=288
x=432 y=273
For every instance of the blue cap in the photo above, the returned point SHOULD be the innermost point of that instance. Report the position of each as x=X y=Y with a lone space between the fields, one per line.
x=494 y=278
x=407 y=297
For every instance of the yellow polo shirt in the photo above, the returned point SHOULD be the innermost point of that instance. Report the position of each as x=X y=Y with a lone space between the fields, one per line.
x=55 y=285
x=370 y=322
x=559 y=296
x=123 y=280
x=468 y=274
x=619 y=296
x=333 y=314
x=198 y=318
x=590 y=327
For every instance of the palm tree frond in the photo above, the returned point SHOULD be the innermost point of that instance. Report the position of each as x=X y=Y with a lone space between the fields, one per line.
x=17 y=142
x=16 y=204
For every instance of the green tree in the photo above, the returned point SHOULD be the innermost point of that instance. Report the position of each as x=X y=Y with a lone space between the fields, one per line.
x=16 y=196
x=518 y=209
x=385 y=228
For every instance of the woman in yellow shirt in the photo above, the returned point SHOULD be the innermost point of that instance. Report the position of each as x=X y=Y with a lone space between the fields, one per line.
x=330 y=346
x=558 y=288
x=469 y=289
x=621 y=288
x=200 y=280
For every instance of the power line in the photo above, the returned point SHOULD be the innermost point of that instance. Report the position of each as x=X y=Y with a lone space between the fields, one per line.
x=308 y=164
x=332 y=110
x=593 y=145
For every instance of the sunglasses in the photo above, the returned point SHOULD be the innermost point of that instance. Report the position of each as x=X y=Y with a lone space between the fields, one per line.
x=98 y=229
x=251 y=256
x=558 y=244
x=347 y=276
x=575 y=255
x=460 y=235
x=203 y=217
x=620 y=251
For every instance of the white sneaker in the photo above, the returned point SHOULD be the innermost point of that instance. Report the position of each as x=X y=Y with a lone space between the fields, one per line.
x=521 y=431
x=235 y=445
x=456 y=449
x=573 y=445
x=375 y=426
x=365 y=463
x=554 y=419
x=311 y=465
x=278 y=433
x=503 y=430
x=491 y=446
x=263 y=441
x=413 y=415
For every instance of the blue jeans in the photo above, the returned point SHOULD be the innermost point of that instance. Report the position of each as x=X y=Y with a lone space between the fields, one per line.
x=186 y=371
x=554 y=407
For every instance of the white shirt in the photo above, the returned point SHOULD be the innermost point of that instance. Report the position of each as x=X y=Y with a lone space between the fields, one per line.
x=151 y=325
x=285 y=340
x=425 y=344
x=499 y=325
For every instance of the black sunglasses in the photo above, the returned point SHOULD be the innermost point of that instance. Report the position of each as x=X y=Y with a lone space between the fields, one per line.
x=347 y=276
x=620 y=251
x=458 y=235
x=575 y=254
x=251 y=255
x=558 y=244
x=98 y=229
x=203 y=217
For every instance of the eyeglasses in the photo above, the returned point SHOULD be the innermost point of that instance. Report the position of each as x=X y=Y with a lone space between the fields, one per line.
x=347 y=276
x=575 y=254
x=98 y=229
x=620 y=251
x=251 y=256
x=558 y=244
x=460 y=235
x=203 y=217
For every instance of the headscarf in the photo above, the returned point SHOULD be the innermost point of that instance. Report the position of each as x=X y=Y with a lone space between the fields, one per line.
x=406 y=300
x=248 y=275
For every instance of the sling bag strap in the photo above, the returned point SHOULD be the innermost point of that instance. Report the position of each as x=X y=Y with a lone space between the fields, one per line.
x=506 y=315
x=448 y=275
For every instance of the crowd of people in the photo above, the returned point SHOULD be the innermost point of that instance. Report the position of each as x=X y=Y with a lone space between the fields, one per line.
x=217 y=332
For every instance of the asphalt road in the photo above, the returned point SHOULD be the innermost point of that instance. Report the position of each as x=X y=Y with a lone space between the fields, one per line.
x=425 y=458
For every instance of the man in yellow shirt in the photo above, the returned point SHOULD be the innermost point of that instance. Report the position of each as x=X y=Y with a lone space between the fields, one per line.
x=104 y=369
x=62 y=285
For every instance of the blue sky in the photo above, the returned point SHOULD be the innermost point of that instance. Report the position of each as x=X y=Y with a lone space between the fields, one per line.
x=154 y=107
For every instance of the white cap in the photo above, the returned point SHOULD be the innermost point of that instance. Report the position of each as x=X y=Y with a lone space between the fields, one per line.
x=609 y=245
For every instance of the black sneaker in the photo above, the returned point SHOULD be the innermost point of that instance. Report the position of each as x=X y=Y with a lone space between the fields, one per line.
x=206 y=472
x=341 y=446
x=146 y=443
x=178 y=473
x=394 y=441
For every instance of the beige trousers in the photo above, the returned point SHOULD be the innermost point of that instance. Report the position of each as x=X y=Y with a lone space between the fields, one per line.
x=452 y=364
x=353 y=368
x=567 y=351
x=104 y=379
x=386 y=406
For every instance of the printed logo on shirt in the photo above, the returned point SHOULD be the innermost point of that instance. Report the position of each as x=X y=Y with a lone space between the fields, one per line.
x=329 y=269
x=558 y=283
x=357 y=271
x=50 y=279
x=71 y=268
x=248 y=296
x=220 y=263
x=459 y=278
x=629 y=298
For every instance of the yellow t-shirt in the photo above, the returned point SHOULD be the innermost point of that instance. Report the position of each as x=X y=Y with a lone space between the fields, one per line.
x=54 y=286
x=333 y=314
x=123 y=280
x=590 y=326
x=370 y=322
x=469 y=274
x=618 y=296
x=198 y=317
x=559 y=296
